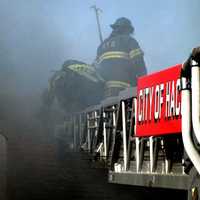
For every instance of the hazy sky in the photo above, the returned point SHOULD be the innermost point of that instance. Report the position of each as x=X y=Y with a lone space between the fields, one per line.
x=37 y=36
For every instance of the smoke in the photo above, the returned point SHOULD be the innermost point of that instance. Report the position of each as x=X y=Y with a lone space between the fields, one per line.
x=29 y=49
x=38 y=36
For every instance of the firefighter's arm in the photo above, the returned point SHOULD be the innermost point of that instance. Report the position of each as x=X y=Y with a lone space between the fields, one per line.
x=47 y=97
x=49 y=93
x=137 y=58
x=139 y=66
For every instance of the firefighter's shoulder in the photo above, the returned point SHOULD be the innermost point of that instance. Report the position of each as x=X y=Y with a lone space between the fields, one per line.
x=134 y=48
x=132 y=43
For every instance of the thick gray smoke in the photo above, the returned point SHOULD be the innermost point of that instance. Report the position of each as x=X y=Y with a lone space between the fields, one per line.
x=36 y=37
x=30 y=47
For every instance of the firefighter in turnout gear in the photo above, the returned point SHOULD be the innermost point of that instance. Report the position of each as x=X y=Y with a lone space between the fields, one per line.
x=120 y=58
x=76 y=86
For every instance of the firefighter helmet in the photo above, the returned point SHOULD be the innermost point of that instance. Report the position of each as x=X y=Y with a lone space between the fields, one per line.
x=71 y=62
x=123 y=23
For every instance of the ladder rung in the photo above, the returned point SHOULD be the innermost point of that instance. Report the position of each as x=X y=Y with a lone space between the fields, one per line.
x=110 y=109
x=92 y=127
x=93 y=118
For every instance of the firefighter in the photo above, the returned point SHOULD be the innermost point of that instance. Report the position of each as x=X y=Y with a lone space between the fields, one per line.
x=120 y=59
x=76 y=86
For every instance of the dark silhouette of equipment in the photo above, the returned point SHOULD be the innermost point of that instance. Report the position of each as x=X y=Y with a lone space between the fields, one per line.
x=97 y=10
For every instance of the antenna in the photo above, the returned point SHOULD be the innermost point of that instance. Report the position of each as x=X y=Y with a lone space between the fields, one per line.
x=97 y=11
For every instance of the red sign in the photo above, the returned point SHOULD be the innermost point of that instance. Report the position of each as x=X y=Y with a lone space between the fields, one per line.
x=159 y=103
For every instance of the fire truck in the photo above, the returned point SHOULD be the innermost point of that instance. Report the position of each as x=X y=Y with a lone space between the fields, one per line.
x=149 y=135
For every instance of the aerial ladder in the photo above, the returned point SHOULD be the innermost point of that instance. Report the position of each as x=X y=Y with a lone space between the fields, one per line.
x=149 y=135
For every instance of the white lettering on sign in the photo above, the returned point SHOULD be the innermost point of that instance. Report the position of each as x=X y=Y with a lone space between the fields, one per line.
x=146 y=102
x=161 y=98
x=172 y=102
x=139 y=107
x=166 y=101
x=178 y=103
x=151 y=98
x=156 y=103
